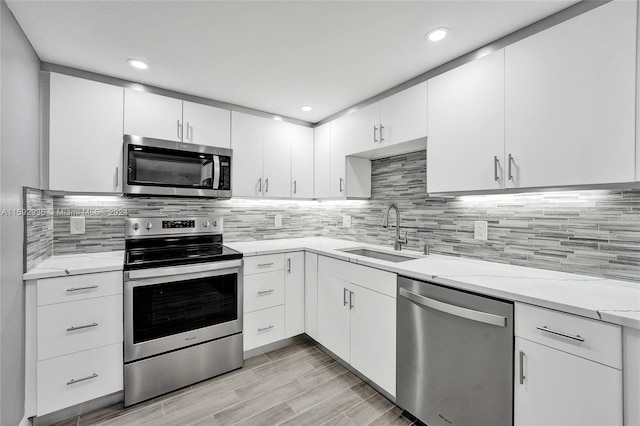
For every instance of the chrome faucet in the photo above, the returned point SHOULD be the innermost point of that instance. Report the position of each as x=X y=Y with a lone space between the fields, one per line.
x=397 y=244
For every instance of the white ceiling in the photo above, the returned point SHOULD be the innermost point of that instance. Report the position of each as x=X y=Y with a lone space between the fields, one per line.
x=269 y=55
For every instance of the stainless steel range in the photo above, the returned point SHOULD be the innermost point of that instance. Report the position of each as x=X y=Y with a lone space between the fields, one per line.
x=182 y=305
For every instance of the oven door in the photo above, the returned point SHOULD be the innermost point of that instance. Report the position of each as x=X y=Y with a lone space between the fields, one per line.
x=170 y=308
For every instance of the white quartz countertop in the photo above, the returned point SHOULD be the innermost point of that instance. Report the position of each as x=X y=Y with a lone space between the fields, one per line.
x=76 y=264
x=599 y=298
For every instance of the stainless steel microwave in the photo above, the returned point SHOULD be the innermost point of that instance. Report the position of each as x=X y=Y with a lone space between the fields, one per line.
x=155 y=167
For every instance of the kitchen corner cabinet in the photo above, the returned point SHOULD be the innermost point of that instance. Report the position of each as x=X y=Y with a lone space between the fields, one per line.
x=399 y=118
x=73 y=340
x=273 y=298
x=568 y=369
x=465 y=150
x=570 y=101
x=336 y=175
x=261 y=157
x=85 y=135
x=311 y=294
x=161 y=117
x=357 y=318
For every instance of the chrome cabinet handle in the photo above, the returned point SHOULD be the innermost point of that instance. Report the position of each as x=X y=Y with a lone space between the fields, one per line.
x=341 y=183
x=509 y=168
x=259 y=184
x=351 y=305
x=496 y=162
x=265 y=328
x=189 y=138
x=264 y=265
x=458 y=311
x=522 y=376
x=295 y=186
x=80 y=327
x=289 y=265
x=266 y=291
x=546 y=329
x=72 y=381
x=381 y=135
x=344 y=297
x=375 y=134
x=190 y=338
x=266 y=185
x=89 y=287
x=179 y=130
x=117 y=177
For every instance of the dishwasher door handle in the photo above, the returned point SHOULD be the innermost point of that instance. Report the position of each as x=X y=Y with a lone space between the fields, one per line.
x=458 y=311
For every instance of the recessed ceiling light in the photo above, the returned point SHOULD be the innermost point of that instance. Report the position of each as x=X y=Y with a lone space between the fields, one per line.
x=138 y=64
x=306 y=108
x=277 y=118
x=437 y=34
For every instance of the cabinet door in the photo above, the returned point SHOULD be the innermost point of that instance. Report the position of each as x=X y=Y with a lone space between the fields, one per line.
x=403 y=116
x=153 y=116
x=246 y=142
x=570 y=101
x=337 y=161
x=206 y=125
x=465 y=149
x=277 y=160
x=311 y=294
x=294 y=294
x=373 y=331
x=563 y=389
x=360 y=130
x=333 y=314
x=322 y=161
x=85 y=135
x=301 y=162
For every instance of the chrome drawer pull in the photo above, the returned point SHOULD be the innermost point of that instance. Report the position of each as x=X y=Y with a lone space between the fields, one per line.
x=264 y=265
x=522 y=376
x=89 y=287
x=265 y=328
x=266 y=291
x=546 y=329
x=80 y=327
x=72 y=381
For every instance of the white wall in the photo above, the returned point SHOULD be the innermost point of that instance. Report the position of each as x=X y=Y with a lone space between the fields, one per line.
x=19 y=166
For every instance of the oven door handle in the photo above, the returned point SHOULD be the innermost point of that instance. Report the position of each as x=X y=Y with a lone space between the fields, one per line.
x=141 y=274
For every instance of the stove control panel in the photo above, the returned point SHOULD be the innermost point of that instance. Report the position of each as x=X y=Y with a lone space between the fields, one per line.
x=158 y=226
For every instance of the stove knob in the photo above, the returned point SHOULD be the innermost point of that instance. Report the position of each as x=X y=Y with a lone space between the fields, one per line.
x=205 y=223
x=148 y=225
x=135 y=226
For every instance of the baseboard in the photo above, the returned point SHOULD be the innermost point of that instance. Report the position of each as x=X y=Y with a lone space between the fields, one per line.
x=273 y=346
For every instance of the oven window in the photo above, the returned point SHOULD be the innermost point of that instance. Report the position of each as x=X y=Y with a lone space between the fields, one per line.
x=162 y=310
x=164 y=167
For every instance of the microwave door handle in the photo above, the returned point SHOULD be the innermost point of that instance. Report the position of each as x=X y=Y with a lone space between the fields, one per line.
x=216 y=171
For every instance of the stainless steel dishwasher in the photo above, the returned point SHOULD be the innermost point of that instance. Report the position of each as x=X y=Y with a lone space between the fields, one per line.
x=454 y=356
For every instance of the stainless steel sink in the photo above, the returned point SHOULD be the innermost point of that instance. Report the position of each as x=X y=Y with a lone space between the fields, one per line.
x=382 y=255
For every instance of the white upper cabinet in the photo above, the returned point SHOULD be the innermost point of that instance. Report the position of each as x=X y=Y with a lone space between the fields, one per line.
x=570 y=101
x=321 y=161
x=337 y=158
x=399 y=118
x=161 y=117
x=276 y=166
x=247 y=142
x=301 y=162
x=206 y=125
x=85 y=135
x=465 y=148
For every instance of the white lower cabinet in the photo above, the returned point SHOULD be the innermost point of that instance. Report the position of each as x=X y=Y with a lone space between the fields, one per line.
x=357 y=318
x=311 y=294
x=567 y=370
x=273 y=299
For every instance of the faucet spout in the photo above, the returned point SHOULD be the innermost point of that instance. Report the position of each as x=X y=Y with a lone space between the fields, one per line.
x=397 y=244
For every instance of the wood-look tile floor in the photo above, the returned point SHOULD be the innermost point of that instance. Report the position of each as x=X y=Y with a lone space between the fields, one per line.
x=296 y=385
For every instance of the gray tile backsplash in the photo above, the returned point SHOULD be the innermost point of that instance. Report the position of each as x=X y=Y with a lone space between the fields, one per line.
x=39 y=227
x=587 y=232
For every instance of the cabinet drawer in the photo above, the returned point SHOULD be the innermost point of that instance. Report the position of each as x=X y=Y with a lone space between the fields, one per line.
x=263 y=290
x=77 y=287
x=65 y=328
x=584 y=337
x=263 y=327
x=374 y=279
x=60 y=384
x=266 y=263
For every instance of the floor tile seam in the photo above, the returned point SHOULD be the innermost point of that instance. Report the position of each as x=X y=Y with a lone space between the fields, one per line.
x=124 y=413
x=324 y=381
x=332 y=419
x=336 y=376
x=222 y=380
x=317 y=351
x=270 y=375
x=268 y=408
x=324 y=400
x=381 y=415
x=278 y=359
x=278 y=386
x=190 y=407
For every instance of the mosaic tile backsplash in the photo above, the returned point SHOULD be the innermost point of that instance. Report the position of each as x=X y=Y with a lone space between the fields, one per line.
x=586 y=232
